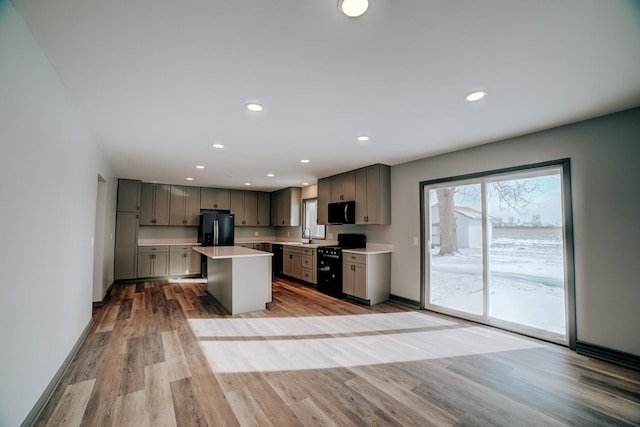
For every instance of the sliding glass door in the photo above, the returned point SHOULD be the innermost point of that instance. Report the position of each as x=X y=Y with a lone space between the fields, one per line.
x=495 y=250
x=457 y=259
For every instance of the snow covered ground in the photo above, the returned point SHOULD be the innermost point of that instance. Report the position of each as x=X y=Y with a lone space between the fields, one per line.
x=526 y=278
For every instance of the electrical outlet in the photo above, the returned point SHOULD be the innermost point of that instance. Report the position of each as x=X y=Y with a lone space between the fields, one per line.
x=257 y=233
x=288 y=234
x=415 y=240
x=330 y=236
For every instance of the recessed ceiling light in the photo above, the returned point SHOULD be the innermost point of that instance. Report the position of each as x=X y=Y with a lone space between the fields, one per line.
x=270 y=175
x=305 y=183
x=218 y=146
x=305 y=161
x=247 y=183
x=353 y=8
x=476 y=96
x=189 y=178
x=252 y=106
x=363 y=138
x=199 y=167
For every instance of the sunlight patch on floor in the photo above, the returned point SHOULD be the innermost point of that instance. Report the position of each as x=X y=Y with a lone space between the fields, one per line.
x=314 y=325
x=188 y=280
x=369 y=348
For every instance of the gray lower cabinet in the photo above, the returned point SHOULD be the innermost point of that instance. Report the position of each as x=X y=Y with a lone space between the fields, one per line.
x=367 y=276
x=183 y=260
x=153 y=261
x=309 y=265
x=292 y=262
x=246 y=245
x=126 y=246
x=300 y=263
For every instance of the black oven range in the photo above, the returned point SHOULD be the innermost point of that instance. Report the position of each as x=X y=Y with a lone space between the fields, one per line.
x=330 y=262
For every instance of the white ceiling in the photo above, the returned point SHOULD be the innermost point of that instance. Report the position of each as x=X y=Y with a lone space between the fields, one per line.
x=160 y=81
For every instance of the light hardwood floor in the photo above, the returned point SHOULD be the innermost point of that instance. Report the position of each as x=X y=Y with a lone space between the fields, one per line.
x=165 y=354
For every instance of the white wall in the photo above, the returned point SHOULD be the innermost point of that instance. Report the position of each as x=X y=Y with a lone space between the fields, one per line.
x=605 y=173
x=48 y=183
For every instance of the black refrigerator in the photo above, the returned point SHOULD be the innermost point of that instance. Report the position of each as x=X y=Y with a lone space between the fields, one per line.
x=215 y=229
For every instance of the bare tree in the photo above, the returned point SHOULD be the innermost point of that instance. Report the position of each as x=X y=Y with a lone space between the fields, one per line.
x=448 y=227
x=512 y=193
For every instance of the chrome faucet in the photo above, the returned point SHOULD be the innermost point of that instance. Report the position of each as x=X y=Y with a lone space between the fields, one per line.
x=307 y=232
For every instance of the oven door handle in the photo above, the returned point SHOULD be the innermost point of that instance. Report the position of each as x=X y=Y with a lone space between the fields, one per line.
x=324 y=269
x=330 y=256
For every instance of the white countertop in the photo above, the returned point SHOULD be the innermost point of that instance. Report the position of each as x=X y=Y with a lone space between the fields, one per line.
x=371 y=249
x=221 y=252
x=166 y=242
x=366 y=251
x=289 y=243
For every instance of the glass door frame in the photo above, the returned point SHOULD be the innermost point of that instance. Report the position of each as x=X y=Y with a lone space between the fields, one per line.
x=426 y=242
x=569 y=270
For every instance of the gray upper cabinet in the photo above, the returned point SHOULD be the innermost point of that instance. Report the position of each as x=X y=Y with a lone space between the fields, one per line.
x=274 y=208
x=184 y=205
x=250 y=208
x=244 y=205
x=237 y=206
x=288 y=203
x=337 y=188
x=343 y=187
x=264 y=209
x=215 y=198
x=373 y=195
x=154 y=204
x=324 y=198
x=370 y=187
x=128 y=195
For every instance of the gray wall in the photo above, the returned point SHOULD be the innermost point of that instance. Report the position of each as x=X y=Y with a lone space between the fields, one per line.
x=49 y=170
x=605 y=171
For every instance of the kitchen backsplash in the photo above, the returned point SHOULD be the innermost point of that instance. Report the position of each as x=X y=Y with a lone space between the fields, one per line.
x=158 y=232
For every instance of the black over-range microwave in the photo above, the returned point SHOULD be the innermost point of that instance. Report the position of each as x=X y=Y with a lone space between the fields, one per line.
x=342 y=213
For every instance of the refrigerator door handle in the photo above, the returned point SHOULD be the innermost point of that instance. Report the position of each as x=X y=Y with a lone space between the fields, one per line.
x=215 y=232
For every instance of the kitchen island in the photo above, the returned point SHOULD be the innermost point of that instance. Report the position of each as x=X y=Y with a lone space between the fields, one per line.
x=239 y=278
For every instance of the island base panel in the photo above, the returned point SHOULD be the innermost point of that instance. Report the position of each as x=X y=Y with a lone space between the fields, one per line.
x=241 y=284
